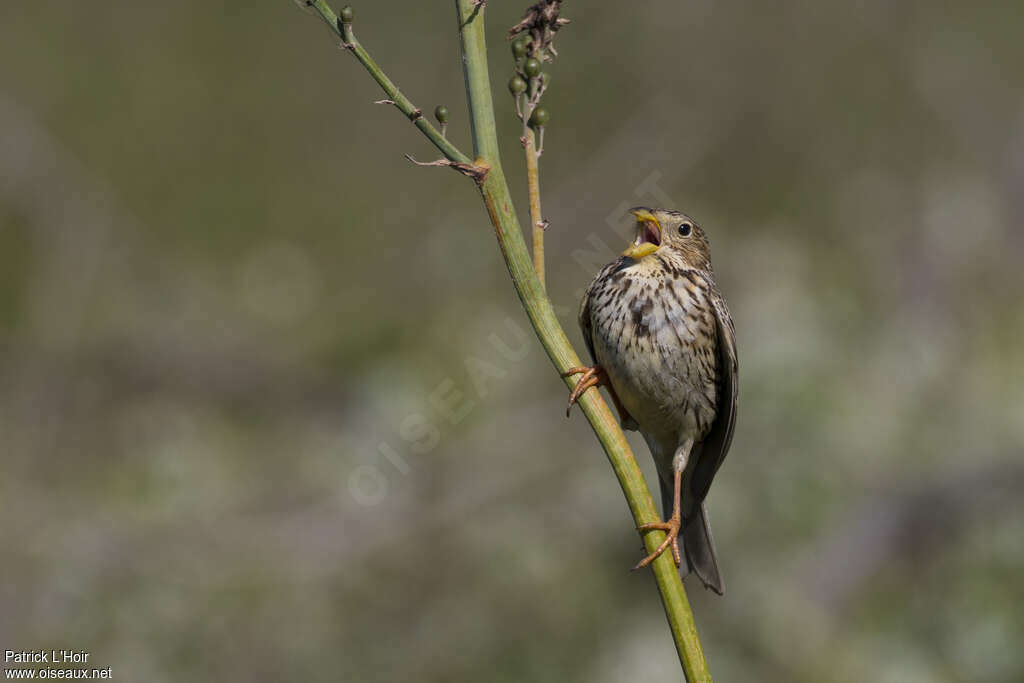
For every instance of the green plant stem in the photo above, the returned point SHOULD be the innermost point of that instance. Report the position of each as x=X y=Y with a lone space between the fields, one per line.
x=536 y=219
x=542 y=316
x=498 y=201
x=348 y=40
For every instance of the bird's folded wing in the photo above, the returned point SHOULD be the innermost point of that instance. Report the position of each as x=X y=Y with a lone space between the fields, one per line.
x=716 y=443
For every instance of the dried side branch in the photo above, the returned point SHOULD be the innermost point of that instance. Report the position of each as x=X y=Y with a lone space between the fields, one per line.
x=477 y=173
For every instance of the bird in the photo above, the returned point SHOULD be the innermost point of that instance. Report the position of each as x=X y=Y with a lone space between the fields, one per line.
x=664 y=345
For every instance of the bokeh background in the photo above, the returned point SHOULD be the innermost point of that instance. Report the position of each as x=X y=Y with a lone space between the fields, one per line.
x=270 y=409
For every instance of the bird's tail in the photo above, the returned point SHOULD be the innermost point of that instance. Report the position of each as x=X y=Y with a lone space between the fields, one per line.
x=699 y=550
x=698 y=554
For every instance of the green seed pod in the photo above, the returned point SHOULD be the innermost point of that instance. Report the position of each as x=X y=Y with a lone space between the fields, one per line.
x=441 y=113
x=516 y=85
x=531 y=67
x=539 y=118
x=346 y=14
x=519 y=46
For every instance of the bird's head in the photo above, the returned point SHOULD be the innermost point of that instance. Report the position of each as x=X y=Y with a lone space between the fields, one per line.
x=660 y=230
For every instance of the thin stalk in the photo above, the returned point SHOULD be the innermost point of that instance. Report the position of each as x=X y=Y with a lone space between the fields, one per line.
x=395 y=96
x=536 y=219
x=538 y=307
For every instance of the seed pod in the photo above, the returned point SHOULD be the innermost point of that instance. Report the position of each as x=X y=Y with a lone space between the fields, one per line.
x=519 y=46
x=531 y=67
x=516 y=85
x=539 y=118
x=441 y=114
x=346 y=14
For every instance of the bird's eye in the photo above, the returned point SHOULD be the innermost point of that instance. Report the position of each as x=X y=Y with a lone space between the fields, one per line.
x=685 y=229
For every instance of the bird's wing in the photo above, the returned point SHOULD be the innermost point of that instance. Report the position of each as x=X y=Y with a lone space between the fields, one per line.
x=716 y=444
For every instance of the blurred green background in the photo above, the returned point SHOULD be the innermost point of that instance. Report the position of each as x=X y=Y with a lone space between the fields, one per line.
x=270 y=409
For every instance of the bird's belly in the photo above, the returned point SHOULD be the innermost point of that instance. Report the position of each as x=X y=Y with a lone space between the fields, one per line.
x=662 y=365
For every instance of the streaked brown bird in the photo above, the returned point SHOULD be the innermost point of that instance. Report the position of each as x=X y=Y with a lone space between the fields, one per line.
x=663 y=342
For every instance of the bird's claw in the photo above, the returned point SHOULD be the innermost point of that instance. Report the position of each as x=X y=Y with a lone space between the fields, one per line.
x=592 y=377
x=671 y=529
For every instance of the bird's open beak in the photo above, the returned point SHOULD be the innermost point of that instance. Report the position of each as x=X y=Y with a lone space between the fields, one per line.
x=648 y=235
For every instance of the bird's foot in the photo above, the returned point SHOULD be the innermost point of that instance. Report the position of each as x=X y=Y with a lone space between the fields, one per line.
x=671 y=529
x=592 y=377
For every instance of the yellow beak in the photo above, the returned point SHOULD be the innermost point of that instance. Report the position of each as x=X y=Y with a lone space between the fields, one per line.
x=647 y=222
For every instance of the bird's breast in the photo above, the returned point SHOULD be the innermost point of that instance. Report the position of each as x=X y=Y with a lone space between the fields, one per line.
x=656 y=339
